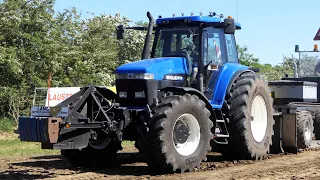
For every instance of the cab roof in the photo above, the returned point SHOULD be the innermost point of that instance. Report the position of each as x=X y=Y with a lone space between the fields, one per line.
x=195 y=19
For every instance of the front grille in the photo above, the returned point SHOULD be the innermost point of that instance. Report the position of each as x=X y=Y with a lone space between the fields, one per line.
x=149 y=87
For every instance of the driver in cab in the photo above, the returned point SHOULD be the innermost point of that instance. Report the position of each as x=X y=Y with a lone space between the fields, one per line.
x=194 y=47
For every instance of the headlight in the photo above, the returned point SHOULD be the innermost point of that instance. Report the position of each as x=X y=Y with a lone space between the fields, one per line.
x=121 y=76
x=143 y=76
x=139 y=94
x=123 y=94
x=135 y=76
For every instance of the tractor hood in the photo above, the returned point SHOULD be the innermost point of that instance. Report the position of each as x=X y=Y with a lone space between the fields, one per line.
x=159 y=67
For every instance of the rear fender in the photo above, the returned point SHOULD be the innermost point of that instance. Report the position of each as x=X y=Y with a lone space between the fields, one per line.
x=223 y=81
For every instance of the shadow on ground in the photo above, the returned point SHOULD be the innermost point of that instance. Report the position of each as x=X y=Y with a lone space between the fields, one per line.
x=22 y=174
x=127 y=164
x=50 y=166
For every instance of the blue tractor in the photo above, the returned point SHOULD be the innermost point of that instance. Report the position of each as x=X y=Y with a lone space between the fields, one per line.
x=187 y=96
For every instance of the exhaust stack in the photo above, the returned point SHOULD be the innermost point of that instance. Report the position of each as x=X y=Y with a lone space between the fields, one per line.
x=146 y=48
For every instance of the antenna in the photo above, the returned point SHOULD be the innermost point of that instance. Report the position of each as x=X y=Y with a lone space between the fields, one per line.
x=185 y=6
x=237 y=10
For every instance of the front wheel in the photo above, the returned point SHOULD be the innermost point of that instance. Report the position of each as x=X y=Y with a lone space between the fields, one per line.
x=179 y=133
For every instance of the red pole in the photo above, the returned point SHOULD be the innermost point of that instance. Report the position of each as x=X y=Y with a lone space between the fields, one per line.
x=49 y=84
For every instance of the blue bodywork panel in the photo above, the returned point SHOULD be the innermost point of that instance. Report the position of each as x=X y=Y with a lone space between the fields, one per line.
x=157 y=66
x=200 y=19
x=220 y=82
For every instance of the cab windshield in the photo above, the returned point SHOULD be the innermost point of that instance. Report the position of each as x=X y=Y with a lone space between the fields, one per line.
x=177 y=42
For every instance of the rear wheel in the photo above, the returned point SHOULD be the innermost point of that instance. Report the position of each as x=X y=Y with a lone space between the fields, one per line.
x=317 y=124
x=179 y=134
x=304 y=129
x=249 y=108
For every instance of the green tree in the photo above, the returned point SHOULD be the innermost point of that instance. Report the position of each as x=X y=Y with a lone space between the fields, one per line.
x=10 y=67
x=131 y=47
x=308 y=65
x=25 y=28
x=267 y=70
x=65 y=48
x=246 y=58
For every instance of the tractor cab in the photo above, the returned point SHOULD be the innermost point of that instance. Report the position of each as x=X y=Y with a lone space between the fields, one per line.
x=207 y=42
x=187 y=51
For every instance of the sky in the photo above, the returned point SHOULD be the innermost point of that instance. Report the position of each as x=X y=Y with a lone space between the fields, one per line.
x=270 y=29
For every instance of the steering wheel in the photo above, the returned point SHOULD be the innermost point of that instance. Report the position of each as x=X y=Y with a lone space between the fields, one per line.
x=185 y=49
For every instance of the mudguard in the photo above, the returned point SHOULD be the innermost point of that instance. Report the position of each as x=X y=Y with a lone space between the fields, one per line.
x=222 y=81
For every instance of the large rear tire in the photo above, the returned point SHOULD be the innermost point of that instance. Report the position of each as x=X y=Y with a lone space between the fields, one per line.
x=179 y=134
x=316 y=124
x=249 y=109
x=304 y=129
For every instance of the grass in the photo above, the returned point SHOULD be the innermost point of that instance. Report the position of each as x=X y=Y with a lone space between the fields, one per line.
x=11 y=146
x=6 y=125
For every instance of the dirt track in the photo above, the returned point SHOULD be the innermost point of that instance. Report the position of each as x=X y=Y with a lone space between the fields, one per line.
x=304 y=165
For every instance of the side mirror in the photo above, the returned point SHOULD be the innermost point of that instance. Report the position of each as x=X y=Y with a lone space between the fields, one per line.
x=120 y=32
x=229 y=26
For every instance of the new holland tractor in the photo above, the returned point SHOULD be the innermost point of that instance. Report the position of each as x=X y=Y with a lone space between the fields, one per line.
x=187 y=96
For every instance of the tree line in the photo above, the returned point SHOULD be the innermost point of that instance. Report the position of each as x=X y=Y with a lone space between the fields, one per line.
x=35 y=41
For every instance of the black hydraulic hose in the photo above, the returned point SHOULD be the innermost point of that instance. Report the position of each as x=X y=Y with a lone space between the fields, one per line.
x=146 y=48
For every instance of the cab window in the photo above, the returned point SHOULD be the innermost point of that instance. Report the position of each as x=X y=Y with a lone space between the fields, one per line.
x=213 y=40
x=173 y=40
x=231 y=48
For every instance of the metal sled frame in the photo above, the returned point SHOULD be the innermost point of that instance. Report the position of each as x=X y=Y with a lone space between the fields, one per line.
x=285 y=128
x=75 y=130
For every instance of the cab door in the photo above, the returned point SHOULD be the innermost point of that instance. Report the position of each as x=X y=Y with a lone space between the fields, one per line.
x=214 y=56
